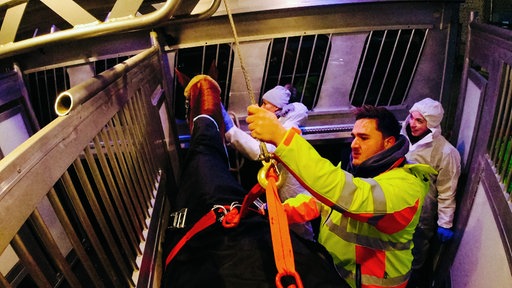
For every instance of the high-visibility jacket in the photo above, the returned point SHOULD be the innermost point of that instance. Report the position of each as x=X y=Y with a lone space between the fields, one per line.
x=293 y=115
x=368 y=222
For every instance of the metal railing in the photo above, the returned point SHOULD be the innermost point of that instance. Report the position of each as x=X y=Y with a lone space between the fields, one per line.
x=97 y=177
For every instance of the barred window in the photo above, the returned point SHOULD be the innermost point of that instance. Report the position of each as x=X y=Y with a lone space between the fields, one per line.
x=387 y=67
x=299 y=61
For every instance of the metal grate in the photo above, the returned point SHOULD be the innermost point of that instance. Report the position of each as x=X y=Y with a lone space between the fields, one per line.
x=299 y=61
x=387 y=67
x=500 y=147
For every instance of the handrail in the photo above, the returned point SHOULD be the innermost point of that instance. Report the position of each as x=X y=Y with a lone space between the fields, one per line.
x=94 y=30
x=108 y=161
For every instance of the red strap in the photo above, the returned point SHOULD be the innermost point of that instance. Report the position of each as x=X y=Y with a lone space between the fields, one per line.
x=205 y=221
x=281 y=241
x=234 y=219
x=231 y=219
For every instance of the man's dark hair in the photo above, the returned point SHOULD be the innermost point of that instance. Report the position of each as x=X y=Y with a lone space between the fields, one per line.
x=386 y=121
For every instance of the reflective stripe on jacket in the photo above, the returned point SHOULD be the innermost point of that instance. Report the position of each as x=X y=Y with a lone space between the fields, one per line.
x=365 y=221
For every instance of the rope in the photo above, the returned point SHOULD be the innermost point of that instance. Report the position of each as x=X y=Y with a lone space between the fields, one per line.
x=237 y=47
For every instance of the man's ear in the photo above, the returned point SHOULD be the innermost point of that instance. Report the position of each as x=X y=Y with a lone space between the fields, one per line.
x=389 y=141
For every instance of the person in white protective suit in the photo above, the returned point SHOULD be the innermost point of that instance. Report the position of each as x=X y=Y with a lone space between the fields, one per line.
x=290 y=115
x=428 y=146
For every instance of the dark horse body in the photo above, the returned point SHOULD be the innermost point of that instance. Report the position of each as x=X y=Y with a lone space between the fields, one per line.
x=230 y=257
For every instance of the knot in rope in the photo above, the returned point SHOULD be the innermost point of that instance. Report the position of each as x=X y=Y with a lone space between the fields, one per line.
x=229 y=215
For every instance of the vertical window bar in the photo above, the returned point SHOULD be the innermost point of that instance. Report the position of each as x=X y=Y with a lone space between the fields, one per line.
x=387 y=68
x=203 y=59
x=296 y=62
x=309 y=67
x=416 y=62
x=326 y=56
x=45 y=115
x=269 y=57
x=401 y=66
x=228 y=76
x=375 y=67
x=55 y=93
x=282 y=60
x=361 y=66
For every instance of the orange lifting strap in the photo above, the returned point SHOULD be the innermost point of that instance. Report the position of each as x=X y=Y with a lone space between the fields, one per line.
x=280 y=233
x=281 y=242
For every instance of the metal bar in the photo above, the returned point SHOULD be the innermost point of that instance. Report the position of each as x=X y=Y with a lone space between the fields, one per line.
x=11 y=23
x=135 y=225
x=130 y=114
x=282 y=60
x=124 y=8
x=100 y=218
x=126 y=151
x=309 y=68
x=362 y=61
x=29 y=262
x=402 y=65
x=297 y=61
x=415 y=64
x=228 y=76
x=141 y=115
x=322 y=71
x=70 y=11
x=105 y=261
x=114 y=192
x=73 y=239
x=55 y=255
x=89 y=31
x=267 y=67
x=128 y=254
x=387 y=68
x=123 y=160
x=375 y=67
x=137 y=162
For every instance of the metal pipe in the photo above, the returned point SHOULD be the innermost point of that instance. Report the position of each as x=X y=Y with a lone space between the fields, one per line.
x=77 y=95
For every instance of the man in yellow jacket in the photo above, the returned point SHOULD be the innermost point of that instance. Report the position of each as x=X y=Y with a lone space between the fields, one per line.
x=368 y=213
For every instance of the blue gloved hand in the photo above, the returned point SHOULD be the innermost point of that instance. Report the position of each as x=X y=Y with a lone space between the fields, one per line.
x=228 y=122
x=444 y=234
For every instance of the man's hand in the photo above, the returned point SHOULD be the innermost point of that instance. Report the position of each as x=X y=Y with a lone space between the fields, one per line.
x=444 y=234
x=264 y=125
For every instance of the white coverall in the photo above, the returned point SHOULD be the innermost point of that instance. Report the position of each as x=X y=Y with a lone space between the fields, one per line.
x=435 y=150
x=292 y=115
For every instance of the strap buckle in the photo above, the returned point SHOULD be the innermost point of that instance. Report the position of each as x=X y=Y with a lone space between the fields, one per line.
x=179 y=219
